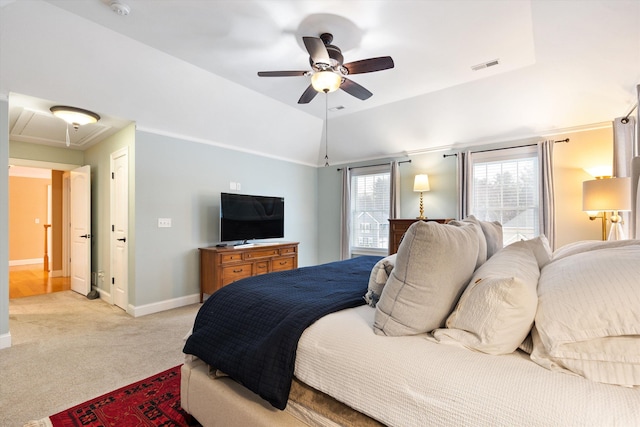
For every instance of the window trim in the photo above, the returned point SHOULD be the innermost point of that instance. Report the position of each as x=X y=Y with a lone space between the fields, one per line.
x=361 y=171
x=504 y=155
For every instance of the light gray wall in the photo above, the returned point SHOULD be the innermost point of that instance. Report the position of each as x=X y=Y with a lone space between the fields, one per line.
x=99 y=158
x=182 y=180
x=4 y=223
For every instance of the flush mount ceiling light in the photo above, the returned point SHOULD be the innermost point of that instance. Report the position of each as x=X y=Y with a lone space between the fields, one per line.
x=76 y=117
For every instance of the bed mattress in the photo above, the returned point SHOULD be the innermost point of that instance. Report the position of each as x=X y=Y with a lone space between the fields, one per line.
x=414 y=381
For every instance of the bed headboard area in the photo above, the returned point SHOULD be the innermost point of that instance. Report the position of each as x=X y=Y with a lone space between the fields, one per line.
x=635 y=200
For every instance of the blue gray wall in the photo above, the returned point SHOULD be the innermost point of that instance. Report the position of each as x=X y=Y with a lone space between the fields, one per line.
x=182 y=180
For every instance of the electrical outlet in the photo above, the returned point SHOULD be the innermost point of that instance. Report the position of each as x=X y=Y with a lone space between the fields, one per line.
x=164 y=222
x=238 y=186
x=232 y=186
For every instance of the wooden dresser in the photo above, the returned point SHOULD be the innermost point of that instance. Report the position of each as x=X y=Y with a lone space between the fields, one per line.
x=220 y=266
x=397 y=228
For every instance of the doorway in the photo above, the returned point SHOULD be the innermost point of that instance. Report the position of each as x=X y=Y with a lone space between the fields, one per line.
x=44 y=257
x=35 y=231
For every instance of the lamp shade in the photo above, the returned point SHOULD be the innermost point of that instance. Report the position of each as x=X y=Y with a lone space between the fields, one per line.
x=421 y=183
x=610 y=194
x=326 y=81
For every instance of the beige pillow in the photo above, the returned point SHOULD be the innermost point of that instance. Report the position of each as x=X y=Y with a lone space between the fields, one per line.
x=378 y=278
x=496 y=311
x=588 y=318
x=493 y=233
x=482 y=241
x=540 y=248
x=433 y=264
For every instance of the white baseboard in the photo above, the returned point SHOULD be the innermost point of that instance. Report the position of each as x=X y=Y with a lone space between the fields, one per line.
x=26 y=261
x=104 y=295
x=5 y=340
x=157 y=307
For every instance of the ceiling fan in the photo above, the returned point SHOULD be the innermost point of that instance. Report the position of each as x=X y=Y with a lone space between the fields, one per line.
x=328 y=73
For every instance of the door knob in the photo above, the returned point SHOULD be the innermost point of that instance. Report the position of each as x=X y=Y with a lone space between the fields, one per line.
x=124 y=239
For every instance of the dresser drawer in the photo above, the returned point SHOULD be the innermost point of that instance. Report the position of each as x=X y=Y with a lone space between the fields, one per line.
x=261 y=267
x=232 y=257
x=280 y=264
x=287 y=251
x=266 y=253
x=235 y=272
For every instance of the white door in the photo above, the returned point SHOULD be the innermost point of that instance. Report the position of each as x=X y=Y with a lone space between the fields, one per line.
x=120 y=227
x=81 y=230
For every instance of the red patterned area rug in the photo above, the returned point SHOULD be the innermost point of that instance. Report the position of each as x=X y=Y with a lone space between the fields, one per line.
x=154 y=401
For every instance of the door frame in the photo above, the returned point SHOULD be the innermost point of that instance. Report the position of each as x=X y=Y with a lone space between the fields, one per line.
x=66 y=167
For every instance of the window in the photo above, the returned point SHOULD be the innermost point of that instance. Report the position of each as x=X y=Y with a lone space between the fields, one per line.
x=505 y=186
x=370 y=200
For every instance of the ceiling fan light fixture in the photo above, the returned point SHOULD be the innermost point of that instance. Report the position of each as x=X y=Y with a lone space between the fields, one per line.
x=326 y=81
x=76 y=117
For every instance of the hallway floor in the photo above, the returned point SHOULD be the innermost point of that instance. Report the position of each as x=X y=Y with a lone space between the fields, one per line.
x=30 y=280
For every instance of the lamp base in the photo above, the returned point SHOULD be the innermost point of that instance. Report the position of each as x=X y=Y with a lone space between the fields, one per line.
x=421 y=217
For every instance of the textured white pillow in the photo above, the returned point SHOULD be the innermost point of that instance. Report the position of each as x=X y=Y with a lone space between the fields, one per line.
x=493 y=234
x=378 y=278
x=496 y=311
x=482 y=241
x=540 y=248
x=433 y=264
x=590 y=245
x=588 y=318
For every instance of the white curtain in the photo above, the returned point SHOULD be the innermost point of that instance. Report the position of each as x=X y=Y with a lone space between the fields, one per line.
x=345 y=215
x=462 y=176
x=394 y=190
x=623 y=152
x=547 y=193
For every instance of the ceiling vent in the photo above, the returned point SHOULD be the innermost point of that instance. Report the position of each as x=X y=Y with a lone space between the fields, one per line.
x=485 y=65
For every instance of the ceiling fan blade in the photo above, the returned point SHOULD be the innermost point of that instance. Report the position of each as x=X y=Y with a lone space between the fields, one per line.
x=281 y=73
x=353 y=88
x=317 y=50
x=308 y=95
x=369 y=65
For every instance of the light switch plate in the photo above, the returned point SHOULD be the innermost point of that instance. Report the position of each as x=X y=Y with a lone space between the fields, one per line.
x=164 y=222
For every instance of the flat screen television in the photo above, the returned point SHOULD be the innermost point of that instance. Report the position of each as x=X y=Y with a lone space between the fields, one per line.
x=244 y=217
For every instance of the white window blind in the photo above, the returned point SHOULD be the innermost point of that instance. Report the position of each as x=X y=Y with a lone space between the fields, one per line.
x=505 y=187
x=370 y=200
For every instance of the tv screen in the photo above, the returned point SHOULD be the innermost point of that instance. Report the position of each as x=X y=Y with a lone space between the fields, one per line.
x=245 y=217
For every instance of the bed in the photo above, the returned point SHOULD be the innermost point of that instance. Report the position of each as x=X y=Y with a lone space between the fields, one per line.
x=518 y=336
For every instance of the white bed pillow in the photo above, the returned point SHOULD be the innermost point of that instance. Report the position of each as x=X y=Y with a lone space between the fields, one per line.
x=433 y=264
x=493 y=234
x=496 y=311
x=540 y=248
x=590 y=245
x=378 y=278
x=588 y=318
x=482 y=241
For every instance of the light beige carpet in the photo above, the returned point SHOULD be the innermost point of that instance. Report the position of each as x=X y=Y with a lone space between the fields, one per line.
x=67 y=349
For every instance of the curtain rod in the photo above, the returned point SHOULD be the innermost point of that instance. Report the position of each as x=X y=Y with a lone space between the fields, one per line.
x=625 y=119
x=505 y=148
x=370 y=166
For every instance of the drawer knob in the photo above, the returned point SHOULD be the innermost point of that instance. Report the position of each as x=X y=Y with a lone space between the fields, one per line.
x=238 y=271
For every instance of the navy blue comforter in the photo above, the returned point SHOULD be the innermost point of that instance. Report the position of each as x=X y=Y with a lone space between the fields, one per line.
x=250 y=329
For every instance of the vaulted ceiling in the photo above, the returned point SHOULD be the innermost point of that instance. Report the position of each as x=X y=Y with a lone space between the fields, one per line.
x=189 y=68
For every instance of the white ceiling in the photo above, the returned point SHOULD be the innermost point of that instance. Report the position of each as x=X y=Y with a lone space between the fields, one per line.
x=189 y=68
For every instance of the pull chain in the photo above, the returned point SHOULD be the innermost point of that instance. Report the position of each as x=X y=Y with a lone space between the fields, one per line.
x=326 y=128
